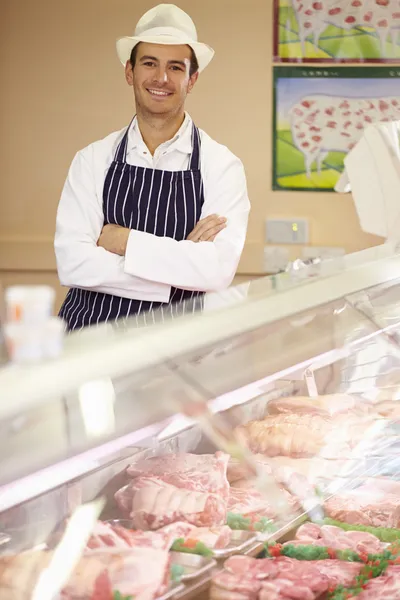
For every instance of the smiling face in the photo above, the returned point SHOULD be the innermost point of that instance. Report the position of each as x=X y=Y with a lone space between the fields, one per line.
x=161 y=78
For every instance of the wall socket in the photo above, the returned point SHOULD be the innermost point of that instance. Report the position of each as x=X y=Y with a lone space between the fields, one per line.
x=276 y=258
x=287 y=231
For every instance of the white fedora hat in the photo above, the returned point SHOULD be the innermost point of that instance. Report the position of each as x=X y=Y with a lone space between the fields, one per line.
x=165 y=24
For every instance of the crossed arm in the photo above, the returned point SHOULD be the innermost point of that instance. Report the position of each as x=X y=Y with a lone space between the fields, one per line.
x=143 y=266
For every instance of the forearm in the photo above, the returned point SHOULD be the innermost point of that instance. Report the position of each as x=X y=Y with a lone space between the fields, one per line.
x=89 y=267
x=187 y=265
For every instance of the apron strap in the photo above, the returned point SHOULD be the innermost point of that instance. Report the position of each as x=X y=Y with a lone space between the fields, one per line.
x=194 y=163
x=121 y=151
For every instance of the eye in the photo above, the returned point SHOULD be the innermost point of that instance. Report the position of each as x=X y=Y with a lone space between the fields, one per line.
x=176 y=68
x=149 y=63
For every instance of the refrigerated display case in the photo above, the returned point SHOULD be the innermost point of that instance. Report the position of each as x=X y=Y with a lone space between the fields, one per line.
x=206 y=382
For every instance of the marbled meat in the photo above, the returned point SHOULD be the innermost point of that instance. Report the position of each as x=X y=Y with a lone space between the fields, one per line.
x=176 y=487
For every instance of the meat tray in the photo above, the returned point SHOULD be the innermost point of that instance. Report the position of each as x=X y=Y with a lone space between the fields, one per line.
x=194 y=565
x=174 y=590
x=240 y=542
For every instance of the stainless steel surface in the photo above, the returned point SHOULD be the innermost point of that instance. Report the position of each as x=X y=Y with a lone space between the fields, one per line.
x=194 y=565
x=174 y=590
x=240 y=541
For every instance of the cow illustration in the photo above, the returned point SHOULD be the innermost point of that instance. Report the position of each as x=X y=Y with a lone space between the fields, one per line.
x=321 y=124
x=314 y=16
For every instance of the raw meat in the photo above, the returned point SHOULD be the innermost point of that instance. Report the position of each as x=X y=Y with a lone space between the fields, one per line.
x=176 y=487
x=304 y=435
x=337 y=539
x=246 y=578
x=282 y=589
x=247 y=566
x=229 y=586
x=199 y=472
x=127 y=572
x=281 y=578
x=19 y=573
x=212 y=537
x=249 y=502
x=325 y=406
x=286 y=434
x=106 y=535
x=338 y=572
x=153 y=503
x=366 y=505
x=386 y=586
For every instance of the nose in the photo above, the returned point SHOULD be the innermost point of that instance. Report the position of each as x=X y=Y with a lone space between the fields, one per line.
x=161 y=74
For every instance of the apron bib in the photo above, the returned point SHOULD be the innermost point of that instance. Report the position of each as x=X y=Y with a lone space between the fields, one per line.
x=164 y=203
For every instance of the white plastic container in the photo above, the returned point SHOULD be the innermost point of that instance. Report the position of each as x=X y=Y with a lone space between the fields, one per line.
x=31 y=305
x=24 y=342
x=28 y=343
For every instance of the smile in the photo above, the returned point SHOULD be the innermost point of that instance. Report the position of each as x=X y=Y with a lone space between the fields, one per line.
x=159 y=93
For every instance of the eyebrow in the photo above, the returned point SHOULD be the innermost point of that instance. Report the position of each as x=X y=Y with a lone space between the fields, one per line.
x=155 y=59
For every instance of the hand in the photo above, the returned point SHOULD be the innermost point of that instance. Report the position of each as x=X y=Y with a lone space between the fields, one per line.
x=207 y=229
x=114 y=239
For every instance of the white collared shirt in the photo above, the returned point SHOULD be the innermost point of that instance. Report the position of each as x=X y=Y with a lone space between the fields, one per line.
x=152 y=264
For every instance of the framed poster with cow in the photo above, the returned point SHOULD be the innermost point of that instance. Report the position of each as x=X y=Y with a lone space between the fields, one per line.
x=318 y=116
x=336 y=31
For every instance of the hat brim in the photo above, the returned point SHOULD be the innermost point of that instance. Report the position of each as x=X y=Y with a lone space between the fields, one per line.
x=125 y=45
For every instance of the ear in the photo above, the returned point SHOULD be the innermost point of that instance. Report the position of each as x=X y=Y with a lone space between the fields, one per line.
x=129 y=73
x=192 y=81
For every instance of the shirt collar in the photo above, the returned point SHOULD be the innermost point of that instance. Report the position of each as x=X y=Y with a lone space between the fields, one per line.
x=182 y=140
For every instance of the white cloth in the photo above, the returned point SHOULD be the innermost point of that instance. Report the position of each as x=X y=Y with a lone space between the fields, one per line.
x=152 y=265
x=372 y=174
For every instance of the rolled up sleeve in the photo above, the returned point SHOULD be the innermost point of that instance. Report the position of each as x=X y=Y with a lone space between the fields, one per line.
x=203 y=266
x=80 y=262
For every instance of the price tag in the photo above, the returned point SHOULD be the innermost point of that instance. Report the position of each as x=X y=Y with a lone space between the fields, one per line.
x=310 y=382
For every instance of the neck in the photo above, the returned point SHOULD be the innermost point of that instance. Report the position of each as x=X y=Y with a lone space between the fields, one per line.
x=157 y=129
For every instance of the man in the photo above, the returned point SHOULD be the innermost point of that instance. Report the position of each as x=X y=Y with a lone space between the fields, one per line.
x=157 y=213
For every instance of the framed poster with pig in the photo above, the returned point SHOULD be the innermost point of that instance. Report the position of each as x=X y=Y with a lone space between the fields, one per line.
x=319 y=113
x=336 y=31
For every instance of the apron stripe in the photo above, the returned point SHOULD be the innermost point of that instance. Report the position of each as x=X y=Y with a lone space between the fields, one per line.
x=164 y=203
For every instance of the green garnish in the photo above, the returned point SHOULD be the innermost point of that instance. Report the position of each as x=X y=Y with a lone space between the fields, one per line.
x=382 y=533
x=118 y=596
x=176 y=572
x=191 y=547
x=374 y=564
x=239 y=522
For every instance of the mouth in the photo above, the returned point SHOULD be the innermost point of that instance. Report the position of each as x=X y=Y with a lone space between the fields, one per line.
x=159 y=94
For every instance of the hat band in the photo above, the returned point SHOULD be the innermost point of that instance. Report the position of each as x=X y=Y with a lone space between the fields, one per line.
x=167 y=31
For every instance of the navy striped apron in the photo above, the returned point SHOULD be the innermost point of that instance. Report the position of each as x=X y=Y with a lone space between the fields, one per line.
x=164 y=203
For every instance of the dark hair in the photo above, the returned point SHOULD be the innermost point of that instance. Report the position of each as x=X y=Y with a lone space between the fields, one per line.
x=194 y=65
